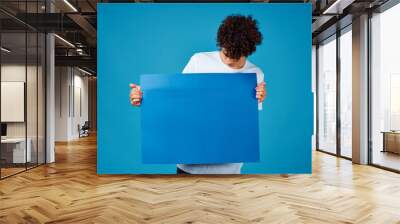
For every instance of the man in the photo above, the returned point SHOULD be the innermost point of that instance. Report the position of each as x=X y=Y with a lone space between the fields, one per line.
x=237 y=39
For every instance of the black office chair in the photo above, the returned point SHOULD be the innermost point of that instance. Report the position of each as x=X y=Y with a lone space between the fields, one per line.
x=84 y=130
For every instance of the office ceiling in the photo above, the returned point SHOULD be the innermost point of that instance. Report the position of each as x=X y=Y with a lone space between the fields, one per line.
x=18 y=53
x=76 y=21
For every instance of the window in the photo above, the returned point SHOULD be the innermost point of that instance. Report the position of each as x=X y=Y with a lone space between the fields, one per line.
x=346 y=92
x=394 y=102
x=385 y=89
x=327 y=95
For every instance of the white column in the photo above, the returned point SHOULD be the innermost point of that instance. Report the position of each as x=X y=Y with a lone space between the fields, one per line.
x=360 y=90
x=50 y=100
x=50 y=92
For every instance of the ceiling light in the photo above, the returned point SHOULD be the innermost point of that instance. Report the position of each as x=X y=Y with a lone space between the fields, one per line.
x=5 y=50
x=84 y=71
x=79 y=51
x=70 y=5
x=65 y=41
x=338 y=6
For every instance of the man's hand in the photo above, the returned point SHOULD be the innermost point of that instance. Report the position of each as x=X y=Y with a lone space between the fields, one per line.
x=261 y=92
x=135 y=95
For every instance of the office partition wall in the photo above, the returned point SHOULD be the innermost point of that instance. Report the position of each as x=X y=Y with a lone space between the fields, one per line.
x=22 y=88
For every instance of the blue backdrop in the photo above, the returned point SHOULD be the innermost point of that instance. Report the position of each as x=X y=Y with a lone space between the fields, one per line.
x=136 y=39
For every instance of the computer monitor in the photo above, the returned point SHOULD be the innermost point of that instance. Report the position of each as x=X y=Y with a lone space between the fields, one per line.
x=3 y=129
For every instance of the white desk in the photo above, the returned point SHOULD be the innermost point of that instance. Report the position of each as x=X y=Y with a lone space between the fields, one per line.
x=18 y=149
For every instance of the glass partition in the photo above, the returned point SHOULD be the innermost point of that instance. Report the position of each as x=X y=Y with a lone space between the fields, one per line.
x=41 y=107
x=22 y=77
x=15 y=151
x=31 y=100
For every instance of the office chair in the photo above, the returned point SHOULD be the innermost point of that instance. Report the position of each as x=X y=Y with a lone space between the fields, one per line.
x=84 y=130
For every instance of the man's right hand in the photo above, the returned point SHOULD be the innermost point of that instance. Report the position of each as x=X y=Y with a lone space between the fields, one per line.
x=135 y=95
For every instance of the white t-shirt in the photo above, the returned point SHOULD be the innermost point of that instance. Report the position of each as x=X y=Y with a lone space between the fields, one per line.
x=211 y=62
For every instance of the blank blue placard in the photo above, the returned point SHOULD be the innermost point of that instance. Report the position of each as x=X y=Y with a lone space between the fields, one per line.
x=199 y=119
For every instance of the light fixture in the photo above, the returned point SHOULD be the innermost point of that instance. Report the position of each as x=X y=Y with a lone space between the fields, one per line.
x=84 y=71
x=70 y=5
x=79 y=51
x=65 y=41
x=337 y=7
x=5 y=50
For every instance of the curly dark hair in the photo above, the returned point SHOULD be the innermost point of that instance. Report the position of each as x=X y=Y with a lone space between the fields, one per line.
x=238 y=35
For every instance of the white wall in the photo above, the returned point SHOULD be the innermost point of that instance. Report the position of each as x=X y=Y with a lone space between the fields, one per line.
x=71 y=87
x=16 y=72
x=62 y=82
x=80 y=109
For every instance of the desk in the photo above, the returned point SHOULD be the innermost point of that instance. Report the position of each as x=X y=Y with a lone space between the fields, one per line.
x=391 y=141
x=13 y=150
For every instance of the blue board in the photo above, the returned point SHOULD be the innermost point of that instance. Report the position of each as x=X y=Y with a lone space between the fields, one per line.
x=199 y=119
